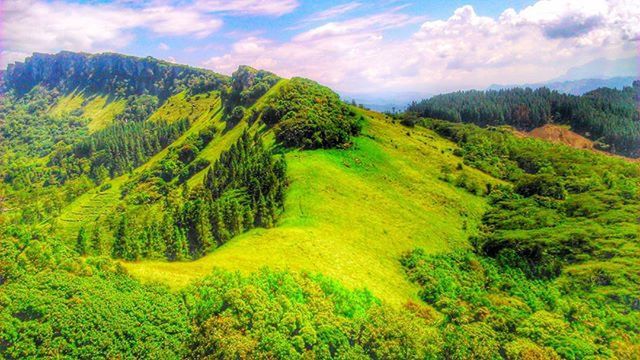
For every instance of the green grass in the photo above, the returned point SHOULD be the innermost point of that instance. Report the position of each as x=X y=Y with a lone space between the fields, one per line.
x=102 y=112
x=99 y=109
x=350 y=214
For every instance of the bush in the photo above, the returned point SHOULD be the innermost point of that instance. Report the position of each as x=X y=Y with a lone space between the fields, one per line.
x=546 y=185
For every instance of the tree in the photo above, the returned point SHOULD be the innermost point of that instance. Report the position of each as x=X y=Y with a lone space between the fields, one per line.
x=82 y=242
x=96 y=242
x=120 y=244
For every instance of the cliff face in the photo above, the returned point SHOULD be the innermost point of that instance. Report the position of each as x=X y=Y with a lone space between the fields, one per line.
x=107 y=73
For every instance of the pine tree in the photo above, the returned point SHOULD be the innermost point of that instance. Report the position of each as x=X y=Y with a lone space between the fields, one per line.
x=182 y=247
x=82 y=242
x=218 y=226
x=96 y=242
x=120 y=246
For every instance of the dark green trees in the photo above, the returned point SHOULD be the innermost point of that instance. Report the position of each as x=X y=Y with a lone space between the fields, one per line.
x=242 y=190
x=606 y=115
x=308 y=115
x=82 y=242
x=125 y=145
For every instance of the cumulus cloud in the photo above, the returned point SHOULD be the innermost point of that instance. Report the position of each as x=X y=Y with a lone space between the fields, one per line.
x=50 y=26
x=464 y=51
x=34 y=25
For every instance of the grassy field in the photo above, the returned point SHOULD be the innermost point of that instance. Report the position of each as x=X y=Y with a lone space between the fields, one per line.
x=350 y=214
x=99 y=109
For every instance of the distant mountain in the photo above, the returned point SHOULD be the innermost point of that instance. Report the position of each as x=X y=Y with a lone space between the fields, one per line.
x=111 y=73
x=384 y=103
x=574 y=87
x=602 y=69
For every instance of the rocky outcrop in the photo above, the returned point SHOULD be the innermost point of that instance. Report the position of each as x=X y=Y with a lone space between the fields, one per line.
x=107 y=73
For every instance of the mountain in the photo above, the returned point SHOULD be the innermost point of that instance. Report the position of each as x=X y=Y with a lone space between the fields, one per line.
x=108 y=73
x=575 y=87
x=607 y=116
x=603 y=68
x=152 y=210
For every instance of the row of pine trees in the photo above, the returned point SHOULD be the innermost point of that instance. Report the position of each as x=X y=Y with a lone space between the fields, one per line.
x=242 y=190
x=126 y=145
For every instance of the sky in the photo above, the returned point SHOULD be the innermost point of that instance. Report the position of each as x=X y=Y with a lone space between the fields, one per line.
x=370 y=47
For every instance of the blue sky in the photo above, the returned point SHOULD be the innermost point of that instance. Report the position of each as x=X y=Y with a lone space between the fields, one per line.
x=358 y=47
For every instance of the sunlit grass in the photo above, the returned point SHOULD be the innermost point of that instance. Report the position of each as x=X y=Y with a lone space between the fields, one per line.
x=350 y=214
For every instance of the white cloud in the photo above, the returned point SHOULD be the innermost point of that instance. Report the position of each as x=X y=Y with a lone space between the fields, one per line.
x=35 y=25
x=49 y=26
x=248 y=7
x=332 y=12
x=466 y=50
x=164 y=47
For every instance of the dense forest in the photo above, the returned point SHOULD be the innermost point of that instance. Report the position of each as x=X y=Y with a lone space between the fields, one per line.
x=195 y=164
x=608 y=116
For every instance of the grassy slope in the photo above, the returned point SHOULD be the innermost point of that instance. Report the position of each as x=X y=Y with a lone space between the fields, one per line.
x=98 y=108
x=350 y=214
x=95 y=203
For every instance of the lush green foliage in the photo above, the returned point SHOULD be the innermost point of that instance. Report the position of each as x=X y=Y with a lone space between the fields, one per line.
x=119 y=148
x=568 y=206
x=288 y=316
x=180 y=164
x=563 y=247
x=55 y=306
x=247 y=86
x=608 y=115
x=243 y=189
x=138 y=108
x=308 y=115
x=27 y=129
x=554 y=274
x=492 y=310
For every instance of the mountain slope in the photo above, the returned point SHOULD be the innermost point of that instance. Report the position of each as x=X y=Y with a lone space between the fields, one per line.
x=202 y=111
x=269 y=219
x=350 y=213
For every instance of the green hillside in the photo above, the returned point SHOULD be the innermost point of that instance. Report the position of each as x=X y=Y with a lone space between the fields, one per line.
x=350 y=214
x=201 y=111
x=186 y=214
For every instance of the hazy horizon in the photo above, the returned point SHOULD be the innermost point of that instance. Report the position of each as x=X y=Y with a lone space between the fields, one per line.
x=388 y=48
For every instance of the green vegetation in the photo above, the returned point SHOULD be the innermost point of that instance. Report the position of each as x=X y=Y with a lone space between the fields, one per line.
x=183 y=214
x=559 y=250
x=307 y=115
x=290 y=316
x=341 y=209
x=242 y=190
x=606 y=115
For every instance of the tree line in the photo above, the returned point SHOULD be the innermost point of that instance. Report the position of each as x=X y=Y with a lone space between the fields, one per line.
x=242 y=190
x=608 y=116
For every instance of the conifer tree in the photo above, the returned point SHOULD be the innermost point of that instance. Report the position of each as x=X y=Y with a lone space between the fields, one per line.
x=96 y=242
x=82 y=242
x=120 y=246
